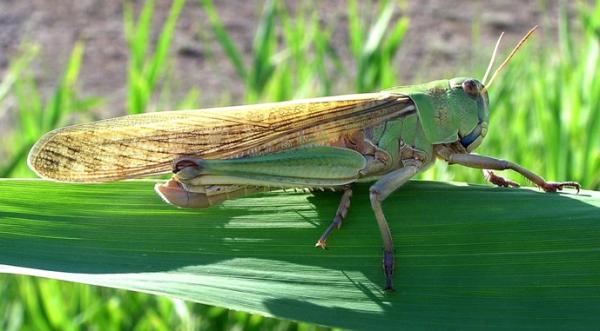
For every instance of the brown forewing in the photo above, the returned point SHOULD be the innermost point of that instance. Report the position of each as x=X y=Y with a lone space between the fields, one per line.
x=138 y=145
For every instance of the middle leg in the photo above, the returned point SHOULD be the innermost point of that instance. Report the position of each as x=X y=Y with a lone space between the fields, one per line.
x=339 y=216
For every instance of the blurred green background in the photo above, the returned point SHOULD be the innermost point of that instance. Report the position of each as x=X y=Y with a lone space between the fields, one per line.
x=144 y=56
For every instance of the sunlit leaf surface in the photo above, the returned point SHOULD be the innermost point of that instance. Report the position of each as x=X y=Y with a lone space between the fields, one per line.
x=467 y=256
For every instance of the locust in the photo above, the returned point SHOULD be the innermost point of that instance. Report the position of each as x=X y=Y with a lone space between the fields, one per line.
x=321 y=143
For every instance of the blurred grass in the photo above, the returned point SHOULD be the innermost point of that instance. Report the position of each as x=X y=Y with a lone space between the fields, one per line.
x=374 y=50
x=278 y=71
x=146 y=66
x=37 y=304
x=37 y=116
x=545 y=115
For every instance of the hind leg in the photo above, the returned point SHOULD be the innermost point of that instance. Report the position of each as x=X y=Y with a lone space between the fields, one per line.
x=378 y=192
x=178 y=194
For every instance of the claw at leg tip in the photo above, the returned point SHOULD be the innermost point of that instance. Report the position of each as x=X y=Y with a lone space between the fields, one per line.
x=321 y=244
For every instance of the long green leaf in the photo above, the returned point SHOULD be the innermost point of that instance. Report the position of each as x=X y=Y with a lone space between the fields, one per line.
x=467 y=256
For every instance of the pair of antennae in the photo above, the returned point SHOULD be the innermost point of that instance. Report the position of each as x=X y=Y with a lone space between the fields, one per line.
x=512 y=53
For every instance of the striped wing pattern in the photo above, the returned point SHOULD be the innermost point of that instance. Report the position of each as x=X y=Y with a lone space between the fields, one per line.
x=146 y=144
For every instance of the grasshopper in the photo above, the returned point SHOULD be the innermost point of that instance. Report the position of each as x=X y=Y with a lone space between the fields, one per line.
x=330 y=142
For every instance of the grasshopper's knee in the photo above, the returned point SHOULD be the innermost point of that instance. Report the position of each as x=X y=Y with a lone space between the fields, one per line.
x=375 y=195
x=187 y=168
x=174 y=193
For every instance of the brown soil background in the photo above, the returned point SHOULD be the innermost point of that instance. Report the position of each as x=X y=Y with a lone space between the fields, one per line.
x=438 y=44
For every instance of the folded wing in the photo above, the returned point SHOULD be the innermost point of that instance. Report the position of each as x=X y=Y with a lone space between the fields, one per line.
x=140 y=145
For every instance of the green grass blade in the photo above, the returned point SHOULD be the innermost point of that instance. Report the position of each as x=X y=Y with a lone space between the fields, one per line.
x=61 y=102
x=157 y=61
x=355 y=31
x=17 y=66
x=378 y=30
x=16 y=159
x=146 y=66
x=397 y=35
x=467 y=256
x=137 y=32
x=264 y=47
x=224 y=39
x=29 y=101
x=322 y=45
x=37 y=116
x=374 y=57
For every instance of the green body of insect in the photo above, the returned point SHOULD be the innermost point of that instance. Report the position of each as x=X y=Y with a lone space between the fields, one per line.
x=333 y=142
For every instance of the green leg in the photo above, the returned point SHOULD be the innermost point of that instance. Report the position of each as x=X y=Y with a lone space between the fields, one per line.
x=317 y=166
x=378 y=192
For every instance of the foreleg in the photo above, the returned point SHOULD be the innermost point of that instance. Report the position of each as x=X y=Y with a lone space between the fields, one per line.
x=486 y=162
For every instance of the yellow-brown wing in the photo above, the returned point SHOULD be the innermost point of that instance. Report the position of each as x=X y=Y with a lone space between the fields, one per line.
x=145 y=144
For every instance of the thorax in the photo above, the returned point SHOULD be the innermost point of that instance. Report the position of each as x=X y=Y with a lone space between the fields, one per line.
x=390 y=145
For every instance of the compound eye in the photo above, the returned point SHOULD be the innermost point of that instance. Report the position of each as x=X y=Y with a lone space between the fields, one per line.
x=470 y=86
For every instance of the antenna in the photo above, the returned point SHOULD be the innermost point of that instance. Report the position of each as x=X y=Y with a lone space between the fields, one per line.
x=489 y=67
x=512 y=53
